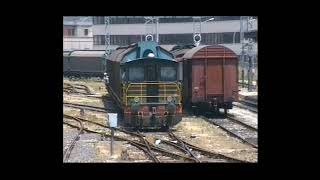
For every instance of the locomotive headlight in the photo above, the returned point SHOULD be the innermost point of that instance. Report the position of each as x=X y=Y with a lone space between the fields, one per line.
x=135 y=106
x=151 y=55
x=169 y=99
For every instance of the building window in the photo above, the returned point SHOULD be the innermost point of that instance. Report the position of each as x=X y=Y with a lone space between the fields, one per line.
x=65 y=32
x=98 y=40
x=86 y=32
x=98 y=20
x=175 y=39
x=102 y=40
x=70 y=32
x=228 y=37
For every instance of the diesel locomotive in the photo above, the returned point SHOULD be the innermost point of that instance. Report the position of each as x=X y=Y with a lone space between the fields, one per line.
x=143 y=81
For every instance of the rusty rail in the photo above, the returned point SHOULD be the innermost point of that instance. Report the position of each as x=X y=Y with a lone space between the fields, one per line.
x=214 y=155
x=87 y=107
x=104 y=126
x=148 y=151
x=150 y=147
x=184 y=146
x=232 y=133
x=134 y=143
x=241 y=123
x=72 y=88
x=67 y=152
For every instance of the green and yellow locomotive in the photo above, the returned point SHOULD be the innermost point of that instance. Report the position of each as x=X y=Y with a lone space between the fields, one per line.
x=143 y=80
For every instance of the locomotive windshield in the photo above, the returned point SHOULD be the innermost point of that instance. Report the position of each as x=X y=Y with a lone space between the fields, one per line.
x=136 y=74
x=168 y=74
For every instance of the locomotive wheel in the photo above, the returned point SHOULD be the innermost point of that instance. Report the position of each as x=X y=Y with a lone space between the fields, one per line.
x=165 y=128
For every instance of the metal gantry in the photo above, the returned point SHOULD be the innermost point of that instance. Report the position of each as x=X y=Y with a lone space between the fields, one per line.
x=248 y=55
x=197 y=30
x=107 y=41
x=107 y=34
x=152 y=28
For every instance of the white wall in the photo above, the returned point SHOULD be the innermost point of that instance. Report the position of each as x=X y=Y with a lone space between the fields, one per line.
x=169 y=28
x=70 y=43
x=237 y=48
x=80 y=40
x=80 y=31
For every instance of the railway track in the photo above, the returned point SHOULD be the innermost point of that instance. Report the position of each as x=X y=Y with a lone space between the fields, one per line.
x=149 y=149
x=136 y=143
x=243 y=106
x=247 y=102
x=250 y=103
x=184 y=146
x=175 y=149
x=74 y=88
x=88 y=107
x=67 y=152
x=232 y=118
x=236 y=128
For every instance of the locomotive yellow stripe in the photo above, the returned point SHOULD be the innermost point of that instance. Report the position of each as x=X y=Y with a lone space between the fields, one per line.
x=140 y=90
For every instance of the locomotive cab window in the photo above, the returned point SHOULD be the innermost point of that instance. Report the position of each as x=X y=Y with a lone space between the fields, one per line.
x=136 y=74
x=168 y=73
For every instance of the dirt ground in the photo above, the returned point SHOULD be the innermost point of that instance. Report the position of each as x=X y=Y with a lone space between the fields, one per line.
x=196 y=131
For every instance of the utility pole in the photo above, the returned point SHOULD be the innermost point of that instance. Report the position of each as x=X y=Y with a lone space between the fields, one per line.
x=157 y=29
x=244 y=53
x=107 y=40
x=249 y=74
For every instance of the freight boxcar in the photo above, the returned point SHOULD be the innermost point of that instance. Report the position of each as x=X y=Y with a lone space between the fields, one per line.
x=209 y=75
x=89 y=63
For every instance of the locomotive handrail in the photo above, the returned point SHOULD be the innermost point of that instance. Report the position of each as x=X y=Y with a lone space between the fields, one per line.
x=148 y=83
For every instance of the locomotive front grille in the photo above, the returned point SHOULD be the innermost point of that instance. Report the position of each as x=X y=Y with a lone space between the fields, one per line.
x=152 y=93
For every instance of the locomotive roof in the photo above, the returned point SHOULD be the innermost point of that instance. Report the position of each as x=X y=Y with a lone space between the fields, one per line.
x=179 y=52
x=118 y=54
x=167 y=47
x=135 y=52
